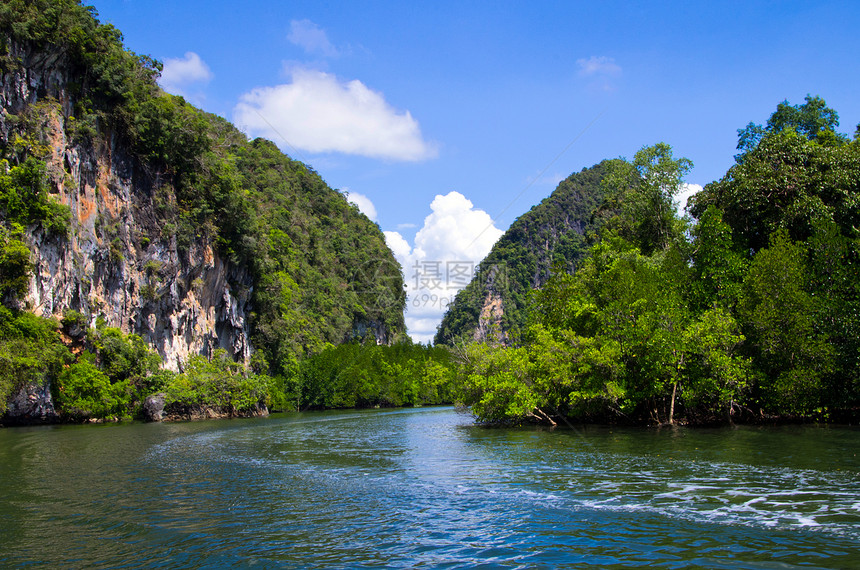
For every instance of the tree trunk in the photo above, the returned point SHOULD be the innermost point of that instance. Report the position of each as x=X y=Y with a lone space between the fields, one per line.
x=672 y=404
x=543 y=415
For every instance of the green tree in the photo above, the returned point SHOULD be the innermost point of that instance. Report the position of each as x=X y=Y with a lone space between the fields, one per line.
x=813 y=120
x=24 y=198
x=218 y=382
x=789 y=347
x=624 y=314
x=647 y=187
x=15 y=265
x=83 y=391
x=495 y=383
x=719 y=374
x=786 y=182
x=834 y=281
x=718 y=267
x=30 y=351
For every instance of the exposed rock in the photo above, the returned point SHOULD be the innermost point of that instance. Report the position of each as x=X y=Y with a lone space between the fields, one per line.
x=490 y=327
x=32 y=404
x=198 y=412
x=118 y=262
x=153 y=408
x=381 y=334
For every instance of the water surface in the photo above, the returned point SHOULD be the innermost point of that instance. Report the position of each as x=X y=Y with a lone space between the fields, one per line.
x=426 y=487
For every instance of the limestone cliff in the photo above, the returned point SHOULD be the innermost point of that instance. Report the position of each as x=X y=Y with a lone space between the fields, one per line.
x=110 y=265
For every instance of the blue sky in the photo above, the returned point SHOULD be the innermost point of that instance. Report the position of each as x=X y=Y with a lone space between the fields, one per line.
x=447 y=120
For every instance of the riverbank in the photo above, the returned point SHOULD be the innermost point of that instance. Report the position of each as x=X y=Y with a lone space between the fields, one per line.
x=837 y=417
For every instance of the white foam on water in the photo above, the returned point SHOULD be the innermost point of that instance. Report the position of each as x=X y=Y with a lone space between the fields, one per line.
x=719 y=492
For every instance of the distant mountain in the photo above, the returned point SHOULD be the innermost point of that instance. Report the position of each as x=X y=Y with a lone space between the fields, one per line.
x=493 y=305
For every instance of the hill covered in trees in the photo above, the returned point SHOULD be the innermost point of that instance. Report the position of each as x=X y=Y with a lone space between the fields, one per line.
x=493 y=306
x=750 y=312
x=139 y=234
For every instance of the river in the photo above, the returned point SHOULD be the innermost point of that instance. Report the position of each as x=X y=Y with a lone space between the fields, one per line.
x=426 y=488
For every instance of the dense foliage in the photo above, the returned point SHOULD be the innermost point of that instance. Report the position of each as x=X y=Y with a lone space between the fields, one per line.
x=98 y=373
x=749 y=312
x=219 y=383
x=555 y=231
x=367 y=375
x=30 y=351
x=102 y=373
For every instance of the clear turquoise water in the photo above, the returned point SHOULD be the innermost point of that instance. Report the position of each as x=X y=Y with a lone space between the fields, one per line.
x=426 y=488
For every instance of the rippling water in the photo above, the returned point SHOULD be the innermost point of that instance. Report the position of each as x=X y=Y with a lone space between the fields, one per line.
x=426 y=488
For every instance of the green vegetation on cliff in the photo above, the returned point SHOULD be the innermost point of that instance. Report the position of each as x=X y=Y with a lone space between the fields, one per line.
x=322 y=273
x=320 y=267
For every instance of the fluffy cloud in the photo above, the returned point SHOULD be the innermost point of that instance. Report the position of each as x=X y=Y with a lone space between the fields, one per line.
x=447 y=249
x=311 y=38
x=687 y=190
x=181 y=73
x=401 y=248
x=318 y=113
x=364 y=204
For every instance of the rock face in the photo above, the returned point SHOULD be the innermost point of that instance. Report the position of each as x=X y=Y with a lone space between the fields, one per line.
x=118 y=262
x=173 y=226
x=31 y=405
x=153 y=408
x=490 y=325
x=196 y=412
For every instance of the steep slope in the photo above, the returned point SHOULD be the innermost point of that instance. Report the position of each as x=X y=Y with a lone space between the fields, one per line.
x=492 y=306
x=146 y=214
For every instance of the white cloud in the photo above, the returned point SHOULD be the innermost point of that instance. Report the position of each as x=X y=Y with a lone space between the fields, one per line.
x=181 y=73
x=311 y=38
x=687 y=190
x=400 y=247
x=598 y=65
x=318 y=113
x=364 y=204
x=407 y=226
x=447 y=249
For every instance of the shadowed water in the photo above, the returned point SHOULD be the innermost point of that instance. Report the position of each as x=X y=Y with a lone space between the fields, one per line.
x=426 y=488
